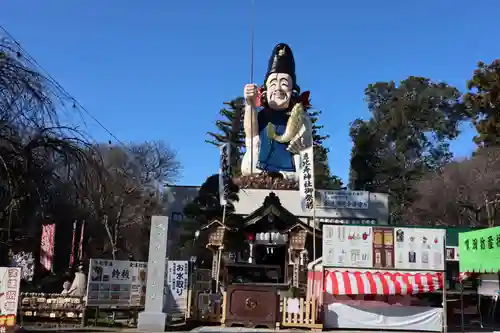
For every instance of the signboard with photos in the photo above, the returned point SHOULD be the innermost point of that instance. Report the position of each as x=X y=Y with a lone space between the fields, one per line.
x=177 y=281
x=420 y=249
x=347 y=246
x=10 y=279
x=116 y=283
x=383 y=247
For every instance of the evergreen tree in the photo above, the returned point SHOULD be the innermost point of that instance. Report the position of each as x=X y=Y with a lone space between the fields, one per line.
x=483 y=103
x=230 y=129
x=323 y=178
x=406 y=137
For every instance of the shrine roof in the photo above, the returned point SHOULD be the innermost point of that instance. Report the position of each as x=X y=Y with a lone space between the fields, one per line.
x=272 y=206
x=216 y=223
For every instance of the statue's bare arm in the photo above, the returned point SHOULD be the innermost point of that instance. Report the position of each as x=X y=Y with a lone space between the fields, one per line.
x=250 y=118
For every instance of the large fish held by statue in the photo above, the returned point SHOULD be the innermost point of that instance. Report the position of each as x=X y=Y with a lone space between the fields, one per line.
x=293 y=125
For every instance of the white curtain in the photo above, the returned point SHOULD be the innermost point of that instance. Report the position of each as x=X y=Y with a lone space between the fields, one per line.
x=401 y=318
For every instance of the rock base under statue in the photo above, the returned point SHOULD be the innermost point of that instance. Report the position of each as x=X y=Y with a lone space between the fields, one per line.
x=266 y=181
x=152 y=321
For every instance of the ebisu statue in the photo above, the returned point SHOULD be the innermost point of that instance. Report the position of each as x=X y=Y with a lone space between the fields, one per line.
x=277 y=125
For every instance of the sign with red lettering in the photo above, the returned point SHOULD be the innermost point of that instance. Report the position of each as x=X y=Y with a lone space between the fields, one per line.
x=9 y=295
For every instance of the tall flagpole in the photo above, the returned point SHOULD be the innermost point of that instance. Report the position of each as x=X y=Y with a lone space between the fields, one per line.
x=251 y=81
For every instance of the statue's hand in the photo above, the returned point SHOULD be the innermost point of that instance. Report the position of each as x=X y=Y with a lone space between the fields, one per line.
x=250 y=94
x=303 y=139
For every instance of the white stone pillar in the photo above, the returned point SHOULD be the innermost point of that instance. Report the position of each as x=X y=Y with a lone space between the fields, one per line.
x=153 y=319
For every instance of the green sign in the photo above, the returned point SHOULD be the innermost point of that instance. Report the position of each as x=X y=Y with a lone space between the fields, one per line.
x=479 y=250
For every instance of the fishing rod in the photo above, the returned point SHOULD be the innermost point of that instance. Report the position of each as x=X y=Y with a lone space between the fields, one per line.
x=251 y=81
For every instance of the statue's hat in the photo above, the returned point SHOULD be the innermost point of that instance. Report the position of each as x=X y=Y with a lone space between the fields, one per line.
x=282 y=61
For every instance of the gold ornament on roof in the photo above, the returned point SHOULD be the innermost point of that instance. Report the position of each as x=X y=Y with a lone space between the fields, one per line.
x=281 y=52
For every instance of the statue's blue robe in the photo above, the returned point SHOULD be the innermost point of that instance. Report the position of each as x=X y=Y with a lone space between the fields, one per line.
x=273 y=156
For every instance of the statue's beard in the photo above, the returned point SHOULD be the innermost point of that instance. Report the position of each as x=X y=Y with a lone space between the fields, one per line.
x=279 y=99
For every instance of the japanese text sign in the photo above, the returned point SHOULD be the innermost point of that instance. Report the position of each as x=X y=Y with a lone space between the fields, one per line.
x=479 y=250
x=177 y=285
x=345 y=199
x=9 y=295
x=306 y=181
x=116 y=283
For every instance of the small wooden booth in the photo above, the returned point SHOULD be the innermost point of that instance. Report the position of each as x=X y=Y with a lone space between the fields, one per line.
x=261 y=262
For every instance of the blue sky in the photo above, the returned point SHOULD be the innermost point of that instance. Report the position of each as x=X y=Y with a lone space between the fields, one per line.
x=160 y=70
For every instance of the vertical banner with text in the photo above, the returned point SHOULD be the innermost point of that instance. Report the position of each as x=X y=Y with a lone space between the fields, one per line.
x=224 y=172
x=306 y=181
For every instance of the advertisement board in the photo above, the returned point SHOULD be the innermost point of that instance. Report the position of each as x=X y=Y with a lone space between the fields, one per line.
x=10 y=278
x=116 y=283
x=384 y=247
x=176 y=290
x=420 y=249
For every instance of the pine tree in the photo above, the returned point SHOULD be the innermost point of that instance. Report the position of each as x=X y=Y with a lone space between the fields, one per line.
x=323 y=178
x=231 y=130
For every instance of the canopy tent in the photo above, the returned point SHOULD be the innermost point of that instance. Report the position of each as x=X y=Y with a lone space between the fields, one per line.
x=381 y=283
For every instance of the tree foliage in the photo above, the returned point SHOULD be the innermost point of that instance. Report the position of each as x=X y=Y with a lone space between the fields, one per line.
x=230 y=129
x=53 y=172
x=406 y=136
x=483 y=103
x=122 y=204
x=44 y=166
x=460 y=193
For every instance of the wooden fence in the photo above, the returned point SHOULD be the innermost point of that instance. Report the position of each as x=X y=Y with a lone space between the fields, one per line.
x=210 y=308
x=300 y=312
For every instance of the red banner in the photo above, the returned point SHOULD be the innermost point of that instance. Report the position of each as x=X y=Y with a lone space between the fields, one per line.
x=47 y=246
x=80 y=247
x=73 y=240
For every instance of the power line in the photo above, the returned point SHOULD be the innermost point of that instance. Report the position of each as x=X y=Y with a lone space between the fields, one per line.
x=52 y=80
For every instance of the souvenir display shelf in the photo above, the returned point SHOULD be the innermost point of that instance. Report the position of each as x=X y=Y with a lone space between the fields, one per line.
x=51 y=306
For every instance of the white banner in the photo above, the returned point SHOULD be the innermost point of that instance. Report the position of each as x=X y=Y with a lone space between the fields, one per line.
x=306 y=179
x=116 y=283
x=344 y=199
x=224 y=172
x=10 y=278
x=177 y=286
x=419 y=249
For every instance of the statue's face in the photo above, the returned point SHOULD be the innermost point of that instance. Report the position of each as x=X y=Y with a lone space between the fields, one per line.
x=279 y=90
